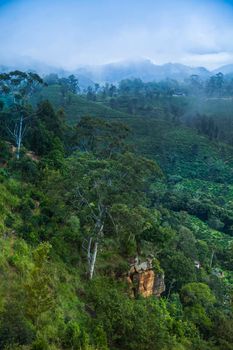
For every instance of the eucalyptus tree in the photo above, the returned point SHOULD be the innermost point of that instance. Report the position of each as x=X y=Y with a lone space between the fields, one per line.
x=103 y=193
x=103 y=138
x=16 y=89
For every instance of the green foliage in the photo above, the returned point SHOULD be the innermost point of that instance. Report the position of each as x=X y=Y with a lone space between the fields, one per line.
x=129 y=324
x=5 y=154
x=98 y=184
x=102 y=138
x=14 y=327
x=198 y=299
x=197 y=293
x=179 y=269
x=75 y=106
x=39 y=288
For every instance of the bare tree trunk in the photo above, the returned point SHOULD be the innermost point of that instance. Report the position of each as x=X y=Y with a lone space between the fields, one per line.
x=211 y=258
x=94 y=254
x=19 y=137
x=89 y=251
x=93 y=260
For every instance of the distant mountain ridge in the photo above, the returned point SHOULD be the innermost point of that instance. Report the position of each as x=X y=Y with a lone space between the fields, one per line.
x=143 y=69
x=227 y=69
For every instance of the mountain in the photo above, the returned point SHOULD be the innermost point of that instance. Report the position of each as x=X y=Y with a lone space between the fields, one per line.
x=227 y=69
x=143 y=69
x=43 y=69
x=29 y=64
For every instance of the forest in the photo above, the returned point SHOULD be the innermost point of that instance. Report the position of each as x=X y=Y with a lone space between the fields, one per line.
x=116 y=214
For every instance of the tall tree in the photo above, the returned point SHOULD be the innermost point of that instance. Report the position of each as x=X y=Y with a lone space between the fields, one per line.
x=73 y=84
x=100 y=137
x=17 y=87
x=100 y=189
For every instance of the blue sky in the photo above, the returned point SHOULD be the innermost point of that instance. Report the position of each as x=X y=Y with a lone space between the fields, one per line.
x=69 y=33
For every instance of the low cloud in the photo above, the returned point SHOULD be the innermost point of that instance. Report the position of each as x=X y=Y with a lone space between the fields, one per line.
x=71 y=33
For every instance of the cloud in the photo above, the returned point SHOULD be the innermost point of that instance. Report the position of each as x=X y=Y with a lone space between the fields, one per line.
x=73 y=32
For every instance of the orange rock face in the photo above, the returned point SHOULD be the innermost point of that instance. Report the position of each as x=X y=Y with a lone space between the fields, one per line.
x=145 y=282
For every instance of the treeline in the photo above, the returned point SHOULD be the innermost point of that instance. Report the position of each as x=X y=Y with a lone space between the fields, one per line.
x=218 y=85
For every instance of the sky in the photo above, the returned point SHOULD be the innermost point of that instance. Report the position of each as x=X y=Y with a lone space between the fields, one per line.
x=70 y=33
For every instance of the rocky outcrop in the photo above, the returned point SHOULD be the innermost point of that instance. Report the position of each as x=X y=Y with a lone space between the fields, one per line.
x=144 y=280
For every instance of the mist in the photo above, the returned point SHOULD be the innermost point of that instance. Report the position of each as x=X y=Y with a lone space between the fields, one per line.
x=72 y=33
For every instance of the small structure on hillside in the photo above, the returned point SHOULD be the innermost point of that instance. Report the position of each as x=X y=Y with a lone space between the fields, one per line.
x=197 y=264
x=144 y=279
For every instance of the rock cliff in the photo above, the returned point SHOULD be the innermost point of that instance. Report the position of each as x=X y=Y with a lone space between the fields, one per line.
x=144 y=280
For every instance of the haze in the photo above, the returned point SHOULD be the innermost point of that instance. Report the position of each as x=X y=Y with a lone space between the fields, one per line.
x=72 y=33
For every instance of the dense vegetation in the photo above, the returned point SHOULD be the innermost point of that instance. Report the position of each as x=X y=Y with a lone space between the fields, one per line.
x=91 y=179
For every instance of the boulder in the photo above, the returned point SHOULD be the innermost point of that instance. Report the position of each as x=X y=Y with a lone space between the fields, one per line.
x=144 y=280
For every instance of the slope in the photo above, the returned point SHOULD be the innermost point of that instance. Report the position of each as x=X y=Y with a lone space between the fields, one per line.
x=75 y=106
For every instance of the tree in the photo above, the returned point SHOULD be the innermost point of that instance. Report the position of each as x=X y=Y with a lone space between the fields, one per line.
x=46 y=131
x=19 y=87
x=51 y=79
x=40 y=294
x=214 y=86
x=91 y=96
x=196 y=85
x=131 y=223
x=97 y=87
x=73 y=84
x=98 y=185
x=106 y=175
x=179 y=268
x=197 y=299
x=100 y=137
x=15 y=328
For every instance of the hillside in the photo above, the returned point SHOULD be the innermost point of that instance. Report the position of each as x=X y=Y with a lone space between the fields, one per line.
x=75 y=106
x=177 y=148
x=182 y=151
x=116 y=224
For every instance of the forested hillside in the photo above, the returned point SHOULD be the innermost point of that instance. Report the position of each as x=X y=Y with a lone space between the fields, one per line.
x=116 y=220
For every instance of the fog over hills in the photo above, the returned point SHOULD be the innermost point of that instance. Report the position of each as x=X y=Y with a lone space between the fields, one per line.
x=143 y=69
x=227 y=69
